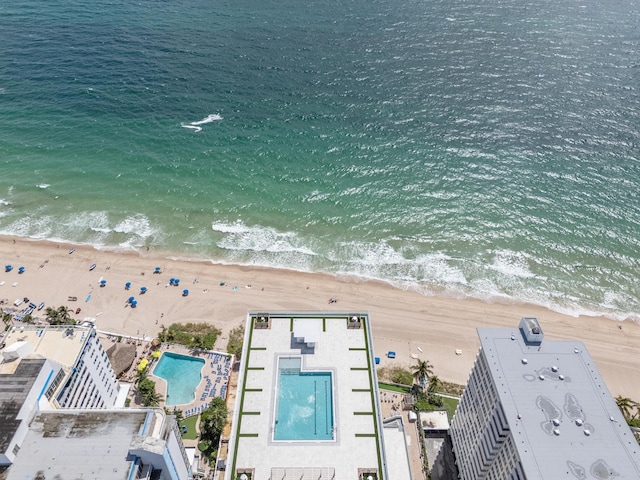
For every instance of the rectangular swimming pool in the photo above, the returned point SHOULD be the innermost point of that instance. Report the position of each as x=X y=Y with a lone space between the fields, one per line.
x=304 y=403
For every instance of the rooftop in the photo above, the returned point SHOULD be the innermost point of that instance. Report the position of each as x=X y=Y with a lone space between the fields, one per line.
x=560 y=412
x=326 y=342
x=62 y=343
x=14 y=389
x=79 y=444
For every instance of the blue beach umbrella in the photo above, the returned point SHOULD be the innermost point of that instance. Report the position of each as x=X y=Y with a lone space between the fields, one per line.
x=157 y=270
x=131 y=299
x=176 y=282
x=142 y=290
x=185 y=293
x=103 y=283
x=8 y=268
x=127 y=285
x=172 y=281
x=21 y=270
x=134 y=303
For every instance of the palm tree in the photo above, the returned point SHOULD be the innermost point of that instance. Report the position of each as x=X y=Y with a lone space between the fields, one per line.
x=151 y=399
x=434 y=383
x=59 y=316
x=52 y=315
x=422 y=371
x=141 y=375
x=64 y=312
x=626 y=405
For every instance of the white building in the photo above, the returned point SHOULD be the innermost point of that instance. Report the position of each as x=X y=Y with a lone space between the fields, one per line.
x=22 y=388
x=101 y=444
x=37 y=441
x=85 y=378
x=539 y=409
x=308 y=405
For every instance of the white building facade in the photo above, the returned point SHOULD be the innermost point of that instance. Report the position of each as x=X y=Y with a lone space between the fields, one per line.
x=86 y=378
x=92 y=382
x=539 y=409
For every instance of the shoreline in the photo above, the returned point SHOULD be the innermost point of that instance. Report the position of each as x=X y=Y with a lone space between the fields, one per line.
x=405 y=321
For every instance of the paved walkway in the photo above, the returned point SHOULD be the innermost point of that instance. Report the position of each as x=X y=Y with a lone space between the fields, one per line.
x=389 y=400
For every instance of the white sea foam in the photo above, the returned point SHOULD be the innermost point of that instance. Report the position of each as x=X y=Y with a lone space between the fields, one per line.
x=43 y=185
x=237 y=227
x=238 y=236
x=511 y=263
x=195 y=126
x=135 y=224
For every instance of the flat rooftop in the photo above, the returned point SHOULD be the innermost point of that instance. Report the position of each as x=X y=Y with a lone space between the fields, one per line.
x=14 y=389
x=79 y=444
x=61 y=343
x=560 y=412
x=337 y=343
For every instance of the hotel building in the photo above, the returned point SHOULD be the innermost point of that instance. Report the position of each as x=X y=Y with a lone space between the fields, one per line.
x=58 y=420
x=84 y=379
x=539 y=409
x=307 y=404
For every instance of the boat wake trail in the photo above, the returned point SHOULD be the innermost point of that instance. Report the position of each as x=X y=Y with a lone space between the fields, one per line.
x=195 y=126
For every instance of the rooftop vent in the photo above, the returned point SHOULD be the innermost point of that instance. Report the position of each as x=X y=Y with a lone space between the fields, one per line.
x=575 y=350
x=556 y=422
x=561 y=377
x=579 y=422
x=554 y=368
x=587 y=432
x=525 y=361
x=541 y=377
x=556 y=432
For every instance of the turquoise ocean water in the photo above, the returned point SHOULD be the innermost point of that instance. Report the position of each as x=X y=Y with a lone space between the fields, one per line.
x=466 y=148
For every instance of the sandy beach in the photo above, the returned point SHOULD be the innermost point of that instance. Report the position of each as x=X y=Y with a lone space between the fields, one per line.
x=411 y=324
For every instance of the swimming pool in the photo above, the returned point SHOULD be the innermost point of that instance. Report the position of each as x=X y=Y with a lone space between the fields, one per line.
x=304 y=403
x=182 y=373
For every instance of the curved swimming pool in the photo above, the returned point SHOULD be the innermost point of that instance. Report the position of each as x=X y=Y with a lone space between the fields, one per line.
x=183 y=374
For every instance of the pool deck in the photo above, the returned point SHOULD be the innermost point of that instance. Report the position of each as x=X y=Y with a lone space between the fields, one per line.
x=339 y=348
x=214 y=380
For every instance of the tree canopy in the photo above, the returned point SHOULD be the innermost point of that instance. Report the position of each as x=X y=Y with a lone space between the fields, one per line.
x=212 y=422
x=422 y=371
x=236 y=337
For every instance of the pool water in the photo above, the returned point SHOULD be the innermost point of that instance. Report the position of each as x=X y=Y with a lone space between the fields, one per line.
x=182 y=373
x=304 y=405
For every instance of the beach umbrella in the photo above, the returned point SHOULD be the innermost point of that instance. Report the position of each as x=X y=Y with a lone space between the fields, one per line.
x=142 y=290
x=127 y=285
x=185 y=293
x=172 y=281
x=157 y=270
x=131 y=299
x=176 y=282
x=8 y=268
x=21 y=270
x=103 y=283
x=156 y=354
x=134 y=303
